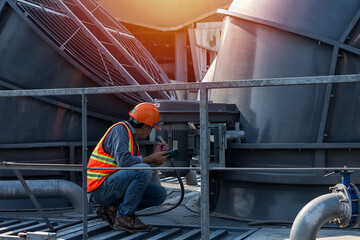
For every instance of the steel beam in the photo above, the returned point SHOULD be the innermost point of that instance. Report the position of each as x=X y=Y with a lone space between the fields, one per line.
x=350 y=27
x=204 y=161
x=320 y=157
x=43 y=145
x=84 y=164
x=310 y=169
x=40 y=166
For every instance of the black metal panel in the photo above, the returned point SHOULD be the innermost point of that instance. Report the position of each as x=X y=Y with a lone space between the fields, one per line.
x=251 y=201
x=176 y=115
x=189 y=111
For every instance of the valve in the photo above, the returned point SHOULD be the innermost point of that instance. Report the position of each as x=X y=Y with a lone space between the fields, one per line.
x=352 y=196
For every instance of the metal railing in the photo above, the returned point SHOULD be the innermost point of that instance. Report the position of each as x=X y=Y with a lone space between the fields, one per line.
x=204 y=131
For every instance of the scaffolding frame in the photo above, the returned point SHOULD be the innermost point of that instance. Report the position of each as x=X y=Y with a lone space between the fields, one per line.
x=204 y=131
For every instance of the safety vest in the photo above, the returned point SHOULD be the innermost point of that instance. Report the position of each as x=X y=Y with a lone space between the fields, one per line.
x=100 y=159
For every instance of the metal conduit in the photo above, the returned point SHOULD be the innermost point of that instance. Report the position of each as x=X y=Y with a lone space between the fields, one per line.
x=319 y=211
x=13 y=189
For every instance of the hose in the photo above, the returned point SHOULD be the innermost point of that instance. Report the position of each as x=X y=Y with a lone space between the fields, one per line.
x=178 y=202
x=160 y=138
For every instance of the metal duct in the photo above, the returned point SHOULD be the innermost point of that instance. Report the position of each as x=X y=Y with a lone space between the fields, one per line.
x=264 y=39
x=13 y=189
x=65 y=44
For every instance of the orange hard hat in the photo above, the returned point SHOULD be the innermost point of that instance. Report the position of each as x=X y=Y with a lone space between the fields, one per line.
x=146 y=113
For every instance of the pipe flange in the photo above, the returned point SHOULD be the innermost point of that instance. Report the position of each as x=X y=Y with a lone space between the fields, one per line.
x=357 y=193
x=343 y=191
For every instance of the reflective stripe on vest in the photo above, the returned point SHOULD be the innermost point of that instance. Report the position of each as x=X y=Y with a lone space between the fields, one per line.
x=100 y=159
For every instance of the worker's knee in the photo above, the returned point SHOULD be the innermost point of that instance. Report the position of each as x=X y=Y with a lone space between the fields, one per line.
x=161 y=196
x=144 y=173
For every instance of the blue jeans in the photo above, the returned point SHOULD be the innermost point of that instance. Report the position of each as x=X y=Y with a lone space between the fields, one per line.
x=131 y=190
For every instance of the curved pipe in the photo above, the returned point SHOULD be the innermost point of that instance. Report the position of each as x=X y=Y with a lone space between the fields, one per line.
x=317 y=212
x=44 y=189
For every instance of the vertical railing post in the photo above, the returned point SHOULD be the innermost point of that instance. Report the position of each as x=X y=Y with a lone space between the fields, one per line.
x=84 y=163
x=204 y=161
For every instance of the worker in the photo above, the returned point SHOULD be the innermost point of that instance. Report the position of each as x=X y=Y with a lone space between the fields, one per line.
x=122 y=192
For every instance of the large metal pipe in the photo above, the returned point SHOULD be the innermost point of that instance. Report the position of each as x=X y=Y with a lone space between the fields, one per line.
x=13 y=189
x=317 y=212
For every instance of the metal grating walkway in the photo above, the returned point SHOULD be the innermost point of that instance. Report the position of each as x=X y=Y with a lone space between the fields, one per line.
x=98 y=229
x=101 y=231
x=180 y=223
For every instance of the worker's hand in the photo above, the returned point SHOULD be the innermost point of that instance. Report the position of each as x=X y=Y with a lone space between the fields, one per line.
x=162 y=147
x=157 y=158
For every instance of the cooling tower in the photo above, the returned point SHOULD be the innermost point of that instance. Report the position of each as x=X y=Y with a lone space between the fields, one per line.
x=289 y=126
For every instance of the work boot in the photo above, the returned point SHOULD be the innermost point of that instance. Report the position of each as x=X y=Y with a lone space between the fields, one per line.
x=107 y=213
x=130 y=223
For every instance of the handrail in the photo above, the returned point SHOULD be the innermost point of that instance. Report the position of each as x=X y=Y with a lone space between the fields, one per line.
x=78 y=168
x=204 y=147
x=185 y=86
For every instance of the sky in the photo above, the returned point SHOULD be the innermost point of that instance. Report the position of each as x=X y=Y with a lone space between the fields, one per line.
x=162 y=14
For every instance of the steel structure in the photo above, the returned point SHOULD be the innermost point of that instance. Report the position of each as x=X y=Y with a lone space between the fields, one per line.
x=294 y=129
x=204 y=146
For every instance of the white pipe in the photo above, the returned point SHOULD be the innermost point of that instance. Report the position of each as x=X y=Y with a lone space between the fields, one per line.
x=319 y=211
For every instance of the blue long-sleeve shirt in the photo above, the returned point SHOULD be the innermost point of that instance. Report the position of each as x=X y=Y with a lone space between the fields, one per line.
x=116 y=144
